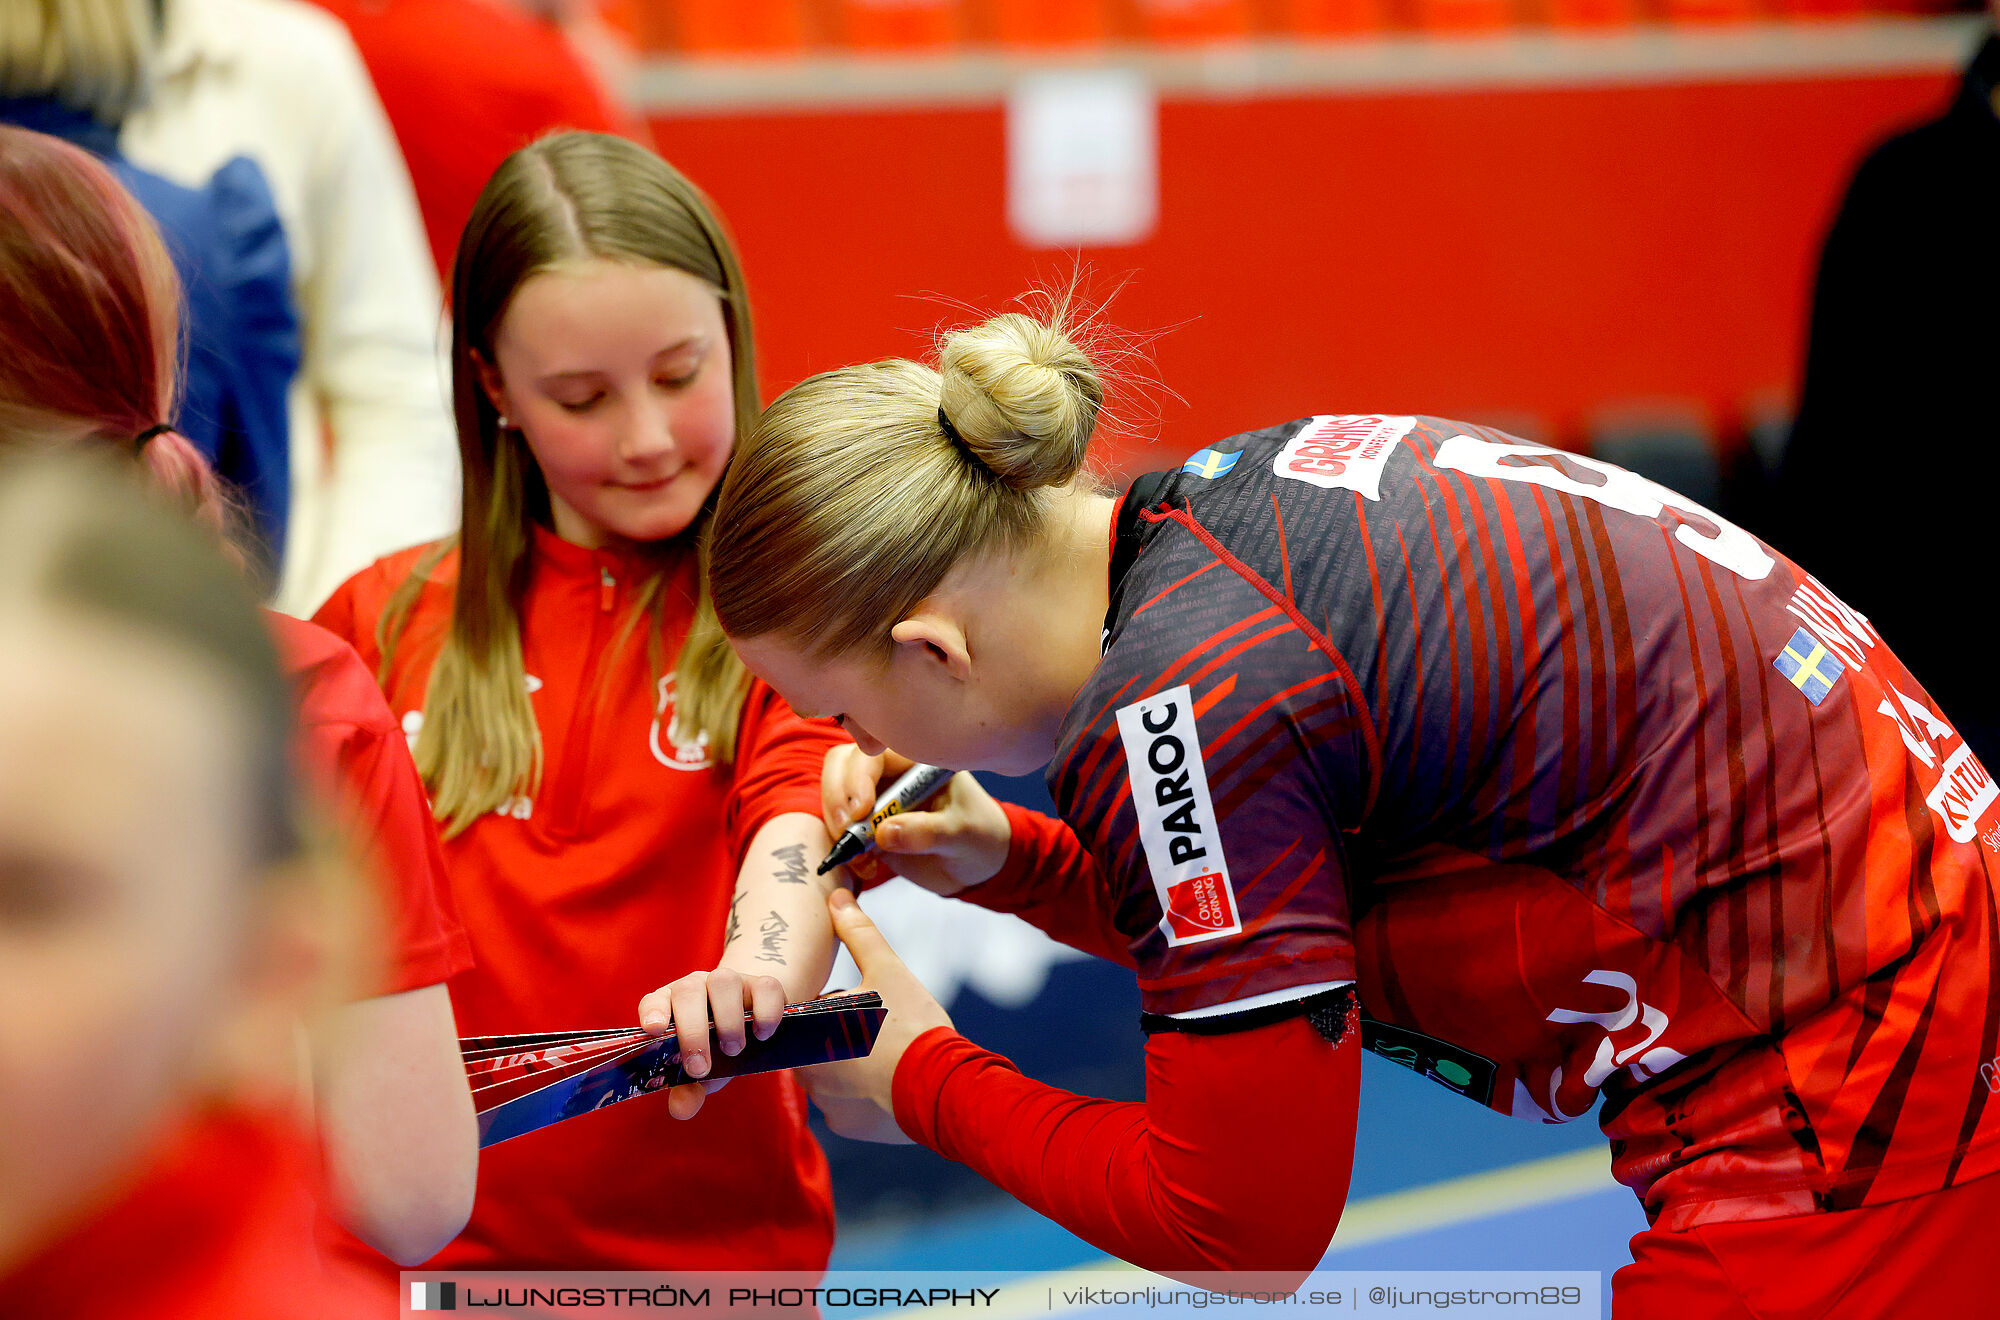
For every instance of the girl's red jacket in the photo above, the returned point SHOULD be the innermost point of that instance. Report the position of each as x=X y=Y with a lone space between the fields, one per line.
x=612 y=878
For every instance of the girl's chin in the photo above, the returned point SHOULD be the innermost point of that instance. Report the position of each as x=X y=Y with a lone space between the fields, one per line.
x=653 y=524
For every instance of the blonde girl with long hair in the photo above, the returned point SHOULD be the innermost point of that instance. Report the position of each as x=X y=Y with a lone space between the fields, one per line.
x=623 y=805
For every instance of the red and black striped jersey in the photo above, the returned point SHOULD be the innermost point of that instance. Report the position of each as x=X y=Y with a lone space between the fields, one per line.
x=1586 y=789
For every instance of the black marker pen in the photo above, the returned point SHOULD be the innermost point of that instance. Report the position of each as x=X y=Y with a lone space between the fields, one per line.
x=919 y=784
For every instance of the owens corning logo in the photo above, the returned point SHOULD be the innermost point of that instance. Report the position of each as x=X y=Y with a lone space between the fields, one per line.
x=1176 y=821
x=1201 y=904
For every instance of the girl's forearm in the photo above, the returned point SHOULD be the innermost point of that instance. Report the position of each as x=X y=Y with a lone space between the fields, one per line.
x=778 y=924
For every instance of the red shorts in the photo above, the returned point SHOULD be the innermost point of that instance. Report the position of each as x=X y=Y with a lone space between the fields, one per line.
x=1925 y=1256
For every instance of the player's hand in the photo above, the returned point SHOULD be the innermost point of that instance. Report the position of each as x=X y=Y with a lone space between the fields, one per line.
x=857 y=1095
x=685 y=1007
x=958 y=840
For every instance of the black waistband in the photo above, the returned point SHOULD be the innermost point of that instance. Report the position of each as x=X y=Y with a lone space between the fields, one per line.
x=1334 y=1003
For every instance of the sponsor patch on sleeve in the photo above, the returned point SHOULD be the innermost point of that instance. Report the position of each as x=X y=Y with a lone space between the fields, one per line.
x=1176 y=820
x=1343 y=452
x=1964 y=791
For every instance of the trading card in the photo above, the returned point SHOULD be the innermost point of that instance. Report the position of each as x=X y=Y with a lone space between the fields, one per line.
x=506 y=1067
x=472 y=1047
x=816 y=1031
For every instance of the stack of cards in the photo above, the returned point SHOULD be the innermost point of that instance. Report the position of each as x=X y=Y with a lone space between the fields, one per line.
x=520 y=1083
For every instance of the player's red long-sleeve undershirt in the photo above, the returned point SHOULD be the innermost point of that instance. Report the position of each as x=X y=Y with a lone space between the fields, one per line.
x=1051 y=882
x=1238 y=1159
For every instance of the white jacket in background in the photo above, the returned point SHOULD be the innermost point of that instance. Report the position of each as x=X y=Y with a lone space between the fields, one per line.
x=374 y=461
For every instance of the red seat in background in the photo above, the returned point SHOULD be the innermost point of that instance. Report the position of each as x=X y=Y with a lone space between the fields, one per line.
x=730 y=27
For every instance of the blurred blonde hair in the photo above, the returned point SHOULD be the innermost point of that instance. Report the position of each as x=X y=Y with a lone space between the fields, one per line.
x=567 y=196
x=860 y=488
x=95 y=55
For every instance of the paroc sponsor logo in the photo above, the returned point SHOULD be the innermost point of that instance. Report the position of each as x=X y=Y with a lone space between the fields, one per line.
x=1176 y=819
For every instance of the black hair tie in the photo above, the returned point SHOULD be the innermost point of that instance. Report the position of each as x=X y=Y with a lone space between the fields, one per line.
x=951 y=432
x=139 y=442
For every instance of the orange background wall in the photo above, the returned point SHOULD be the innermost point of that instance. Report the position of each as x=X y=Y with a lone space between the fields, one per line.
x=1527 y=257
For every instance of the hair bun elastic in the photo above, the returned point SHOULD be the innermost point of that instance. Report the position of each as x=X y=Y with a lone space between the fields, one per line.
x=139 y=441
x=951 y=432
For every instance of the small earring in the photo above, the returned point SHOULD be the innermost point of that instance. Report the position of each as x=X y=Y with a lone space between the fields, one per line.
x=505 y=425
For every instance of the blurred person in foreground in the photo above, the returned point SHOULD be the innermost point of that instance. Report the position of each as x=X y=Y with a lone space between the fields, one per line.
x=373 y=464
x=466 y=83
x=162 y=924
x=87 y=300
x=75 y=69
x=1905 y=353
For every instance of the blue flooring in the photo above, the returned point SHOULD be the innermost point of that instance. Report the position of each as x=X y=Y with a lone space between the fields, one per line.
x=1588 y=1232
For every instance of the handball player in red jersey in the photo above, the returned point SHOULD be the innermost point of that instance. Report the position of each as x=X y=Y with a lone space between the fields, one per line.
x=1398 y=733
x=162 y=925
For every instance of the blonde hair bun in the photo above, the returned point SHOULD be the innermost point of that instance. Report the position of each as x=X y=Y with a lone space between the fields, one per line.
x=1023 y=398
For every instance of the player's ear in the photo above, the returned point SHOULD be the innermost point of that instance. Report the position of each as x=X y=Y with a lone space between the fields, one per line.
x=932 y=638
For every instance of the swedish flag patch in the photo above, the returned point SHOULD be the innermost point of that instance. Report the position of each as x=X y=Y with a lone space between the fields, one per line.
x=1208 y=463
x=1811 y=668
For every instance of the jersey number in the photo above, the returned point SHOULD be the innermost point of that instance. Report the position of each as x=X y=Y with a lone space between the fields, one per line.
x=1714 y=539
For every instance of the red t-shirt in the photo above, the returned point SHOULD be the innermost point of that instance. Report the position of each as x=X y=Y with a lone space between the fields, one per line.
x=350 y=746
x=219 y=1224
x=611 y=880
x=465 y=83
